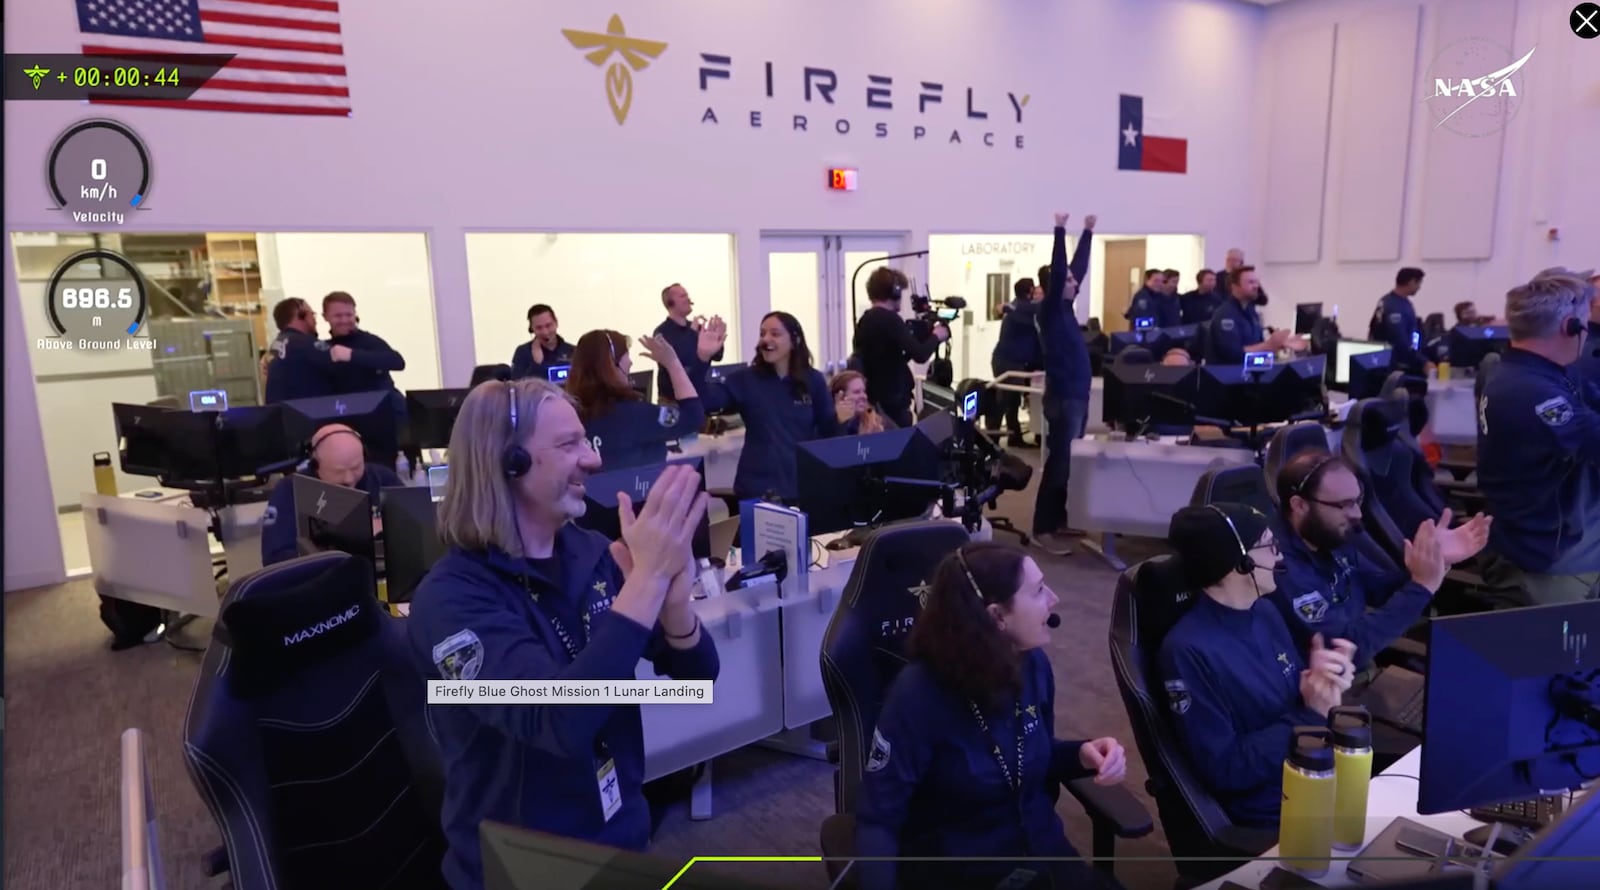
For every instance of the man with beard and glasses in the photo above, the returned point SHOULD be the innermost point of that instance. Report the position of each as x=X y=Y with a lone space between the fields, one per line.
x=1326 y=585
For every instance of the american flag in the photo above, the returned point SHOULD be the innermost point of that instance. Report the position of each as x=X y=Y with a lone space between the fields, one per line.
x=289 y=57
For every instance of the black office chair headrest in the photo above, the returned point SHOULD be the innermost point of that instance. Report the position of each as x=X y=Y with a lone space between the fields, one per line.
x=1381 y=422
x=1163 y=597
x=1135 y=355
x=484 y=373
x=893 y=574
x=293 y=616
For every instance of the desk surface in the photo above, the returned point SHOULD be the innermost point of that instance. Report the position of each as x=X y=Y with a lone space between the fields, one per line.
x=1393 y=794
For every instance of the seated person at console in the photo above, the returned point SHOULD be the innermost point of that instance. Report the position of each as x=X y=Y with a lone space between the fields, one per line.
x=783 y=400
x=964 y=760
x=524 y=594
x=852 y=408
x=624 y=428
x=1325 y=586
x=1237 y=682
x=338 y=457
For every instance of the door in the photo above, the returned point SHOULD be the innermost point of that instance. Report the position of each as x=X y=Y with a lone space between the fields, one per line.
x=813 y=278
x=1124 y=269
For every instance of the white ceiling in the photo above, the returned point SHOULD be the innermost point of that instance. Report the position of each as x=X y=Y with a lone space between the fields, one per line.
x=1264 y=2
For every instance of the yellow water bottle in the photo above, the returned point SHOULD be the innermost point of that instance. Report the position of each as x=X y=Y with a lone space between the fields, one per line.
x=105 y=478
x=1352 y=774
x=1444 y=371
x=1305 y=828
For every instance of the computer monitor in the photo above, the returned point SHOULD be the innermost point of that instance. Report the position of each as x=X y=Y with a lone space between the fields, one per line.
x=1469 y=343
x=1306 y=316
x=642 y=382
x=431 y=415
x=1562 y=854
x=1346 y=350
x=411 y=542
x=208 y=400
x=239 y=443
x=600 y=499
x=332 y=517
x=867 y=480
x=485 y=373
x=518 y=859
x=1157 y=340
x=557 y=374
x=438 y=478
x=1368 y=372
x=1236 y=396
x=142 y=440
x=1301 y=384
x=1510 y=710
x=1137 y=397
x=371 y=414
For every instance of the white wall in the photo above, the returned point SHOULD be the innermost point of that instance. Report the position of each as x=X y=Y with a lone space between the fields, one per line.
x=593 y=281
x=533 y=144
x=387 y=273
x=32 y=537
x=960 y=265
x=1473 y=211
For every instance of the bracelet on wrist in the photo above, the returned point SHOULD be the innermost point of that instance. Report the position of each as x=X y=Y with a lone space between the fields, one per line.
x=692 y=631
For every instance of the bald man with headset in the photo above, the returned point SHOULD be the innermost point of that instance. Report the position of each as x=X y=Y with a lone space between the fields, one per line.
x=337 y=457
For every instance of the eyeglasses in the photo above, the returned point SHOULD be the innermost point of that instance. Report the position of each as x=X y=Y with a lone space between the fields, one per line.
x=1270 y=547
x=1346 y=506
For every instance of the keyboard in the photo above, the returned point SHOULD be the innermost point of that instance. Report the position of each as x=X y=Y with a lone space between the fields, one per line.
x=1536 y=813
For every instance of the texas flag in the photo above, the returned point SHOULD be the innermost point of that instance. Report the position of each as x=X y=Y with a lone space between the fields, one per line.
x=1136 y=151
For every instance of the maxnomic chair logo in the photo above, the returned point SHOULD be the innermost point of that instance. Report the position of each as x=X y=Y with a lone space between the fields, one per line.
x=635 y=53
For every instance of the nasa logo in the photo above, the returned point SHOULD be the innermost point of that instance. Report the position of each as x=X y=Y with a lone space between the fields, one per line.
x=1473 y=87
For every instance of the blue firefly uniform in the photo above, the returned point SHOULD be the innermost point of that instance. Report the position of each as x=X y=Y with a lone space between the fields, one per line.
x=279 y=539
x=1197 y=308
x=1233 y=327
x=1164 y=308
x=1330 y=593
x=1395 y=322
x=635 y=433
x=490 y=616
x=1233 y=686
x=1539 y=466
x=775 y=421
x=685 y=341
x=1018 y=346
x=935 y=787
x=301 y=368
x=523 y=365
x=372 y=360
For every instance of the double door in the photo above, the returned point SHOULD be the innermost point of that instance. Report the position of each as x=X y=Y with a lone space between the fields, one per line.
x=822 y=281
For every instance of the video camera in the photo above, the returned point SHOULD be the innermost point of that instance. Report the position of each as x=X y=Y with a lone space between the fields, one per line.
x=925 y=317
x=972 y=464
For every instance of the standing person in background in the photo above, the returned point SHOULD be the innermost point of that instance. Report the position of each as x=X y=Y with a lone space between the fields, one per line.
x=300 y=366
x=1236 y=327
x=1154 y=302
x=1232 y=265
x=1199 y=304
x=698 y=343
x=536 y=357
x=525 y=594
x=783 y=400
x=1016 y=350
x=885 y=345
x=624 y=428
x=372 y=360
x=1066 y=382
x=1394 y=322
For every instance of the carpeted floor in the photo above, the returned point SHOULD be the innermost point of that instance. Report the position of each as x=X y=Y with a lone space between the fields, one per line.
x=68 y=698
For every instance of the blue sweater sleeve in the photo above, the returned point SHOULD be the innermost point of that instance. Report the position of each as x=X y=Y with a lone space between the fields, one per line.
x=825 y=420
x=900 y=753
x=522 y=362
x=1227 y=761
x=1066 y=762
x=277 y=525
x=481 y=617
x=377 y=355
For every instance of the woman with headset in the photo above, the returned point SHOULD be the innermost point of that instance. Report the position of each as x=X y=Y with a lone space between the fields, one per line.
x=524 y=594
x=852 y=408
x=783 y=400
x=623 y=427
x=1236 y=683
x=964 y=762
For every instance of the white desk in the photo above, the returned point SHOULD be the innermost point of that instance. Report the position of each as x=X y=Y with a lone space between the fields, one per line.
x=1453 y=412
x=1393 y=794
x=721 y=454
x=1133 y=488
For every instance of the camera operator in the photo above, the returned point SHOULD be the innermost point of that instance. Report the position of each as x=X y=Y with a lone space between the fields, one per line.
x=884 y=345
x=1066 y=382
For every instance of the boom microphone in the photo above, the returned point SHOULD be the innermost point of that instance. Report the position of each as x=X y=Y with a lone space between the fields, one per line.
x=1054 y=621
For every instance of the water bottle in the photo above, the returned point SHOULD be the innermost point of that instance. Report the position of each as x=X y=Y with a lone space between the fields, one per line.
x=105 y=478
x=1352 y=774
x=1305 y=829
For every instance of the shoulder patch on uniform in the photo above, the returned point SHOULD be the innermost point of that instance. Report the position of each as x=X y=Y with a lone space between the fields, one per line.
x=1554 y=412
x=879 y=757
x=1178 y=698
x=667 y=416
x=269 y=517
x=1394 y=318
x=1313 y=607
x=459 y=657
x=1227 y=324
x=323 y=345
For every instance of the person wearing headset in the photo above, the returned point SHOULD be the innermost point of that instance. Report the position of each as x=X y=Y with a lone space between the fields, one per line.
x=338 y=457
x=965 y=762
x=783 y=400
x=624 y=428
x=544 y=350
x=852 y=408
x=884 y=345
x=1237 y=683
x=525 y=594
x=1539 y=447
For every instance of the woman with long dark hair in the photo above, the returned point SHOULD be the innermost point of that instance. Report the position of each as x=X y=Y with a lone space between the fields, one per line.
x=624 y=428
x=965 y=763
x=783 y=400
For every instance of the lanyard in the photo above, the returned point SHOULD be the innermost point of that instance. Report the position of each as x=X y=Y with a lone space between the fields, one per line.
x=567 y=641
x=1015 y=782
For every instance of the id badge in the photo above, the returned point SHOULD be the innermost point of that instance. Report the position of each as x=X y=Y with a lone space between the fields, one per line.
x=610 y=792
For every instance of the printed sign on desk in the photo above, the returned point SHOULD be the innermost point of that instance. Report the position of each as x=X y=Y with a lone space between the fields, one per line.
x=767 y=527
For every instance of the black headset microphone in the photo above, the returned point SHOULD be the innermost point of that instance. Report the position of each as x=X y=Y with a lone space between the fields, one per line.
x=1053 y=622
x=1247 y=563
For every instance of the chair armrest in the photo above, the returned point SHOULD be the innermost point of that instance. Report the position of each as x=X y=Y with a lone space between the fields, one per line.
x=1114 y=805
x=1251 y=842
x=214 y=862
x=832 y=751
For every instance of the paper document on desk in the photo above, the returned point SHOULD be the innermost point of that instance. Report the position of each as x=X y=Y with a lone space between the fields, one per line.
x=767 y=527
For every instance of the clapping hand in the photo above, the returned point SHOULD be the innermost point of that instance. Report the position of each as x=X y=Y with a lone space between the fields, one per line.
x=1336 y=661
x=1106 y=757
x=659 y=351
x=658 y=538
x=711 y=337
x=1463 y=542
x=1425 y=557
